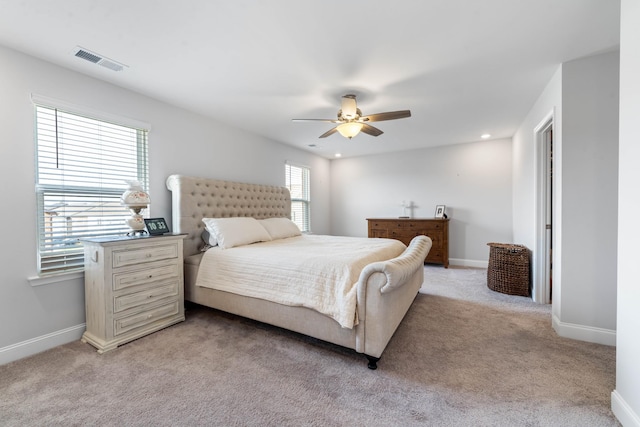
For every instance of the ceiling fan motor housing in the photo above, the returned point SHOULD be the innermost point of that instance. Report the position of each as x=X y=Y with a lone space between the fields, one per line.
x=348 y=117
x=349 y=109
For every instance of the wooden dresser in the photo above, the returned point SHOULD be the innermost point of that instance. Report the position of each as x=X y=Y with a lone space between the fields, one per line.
x=405 y=229
x=133 y=286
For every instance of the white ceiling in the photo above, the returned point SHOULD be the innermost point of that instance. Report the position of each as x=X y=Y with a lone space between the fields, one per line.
x=463 y=67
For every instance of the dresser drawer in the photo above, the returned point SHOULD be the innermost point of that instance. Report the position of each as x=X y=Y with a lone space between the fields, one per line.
x=403 y=225
x=406 y=229
x=437 y=240
x=435 y=255
x=139 y=320
x=377 y=232
x=405 y=234
x=378 y=224
x=401 y=233
x=148 y=296
x=434 y=226
x=142 y=277
x=122 y=258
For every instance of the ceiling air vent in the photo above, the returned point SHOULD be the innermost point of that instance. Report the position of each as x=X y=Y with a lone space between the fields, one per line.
x=98 y=59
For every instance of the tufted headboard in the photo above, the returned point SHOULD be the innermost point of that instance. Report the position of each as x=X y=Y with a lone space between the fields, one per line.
x=195 y=198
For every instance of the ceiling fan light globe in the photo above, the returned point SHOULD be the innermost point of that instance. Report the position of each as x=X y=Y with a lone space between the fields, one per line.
x=349 y=130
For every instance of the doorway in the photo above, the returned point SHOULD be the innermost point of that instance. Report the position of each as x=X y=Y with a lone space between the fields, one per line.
x=543 y=251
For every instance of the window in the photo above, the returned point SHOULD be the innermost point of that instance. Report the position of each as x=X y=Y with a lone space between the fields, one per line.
x=297 y=181
x=81 y=168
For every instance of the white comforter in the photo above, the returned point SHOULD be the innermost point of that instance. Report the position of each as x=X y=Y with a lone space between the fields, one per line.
x=313 y=271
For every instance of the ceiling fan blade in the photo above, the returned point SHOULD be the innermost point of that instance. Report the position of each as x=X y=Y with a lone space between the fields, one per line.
x=316 y=120
x=329 y=132
x=370 y=130
x=391 y=115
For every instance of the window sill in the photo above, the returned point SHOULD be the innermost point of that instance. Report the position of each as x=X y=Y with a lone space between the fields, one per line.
x=55 y=278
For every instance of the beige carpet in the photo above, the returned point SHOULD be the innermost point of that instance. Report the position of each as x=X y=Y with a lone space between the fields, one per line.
x=463 y=356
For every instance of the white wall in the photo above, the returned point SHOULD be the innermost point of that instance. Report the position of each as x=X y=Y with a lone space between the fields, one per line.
x=625 y=401
x=473 y=180
x=34 y=318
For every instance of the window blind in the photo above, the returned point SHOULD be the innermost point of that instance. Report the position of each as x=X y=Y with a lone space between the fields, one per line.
x=298 y=183
x=81 y=168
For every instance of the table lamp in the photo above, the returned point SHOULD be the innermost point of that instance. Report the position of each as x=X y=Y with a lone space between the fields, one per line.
x=135 y=199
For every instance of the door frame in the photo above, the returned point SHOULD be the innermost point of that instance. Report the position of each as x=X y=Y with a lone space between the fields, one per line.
x=541 y=275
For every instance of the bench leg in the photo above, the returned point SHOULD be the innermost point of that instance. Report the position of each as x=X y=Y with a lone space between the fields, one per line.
x=373 y=362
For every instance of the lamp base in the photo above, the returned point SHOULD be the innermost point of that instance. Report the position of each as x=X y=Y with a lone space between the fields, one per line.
x=134 y=232
x=135 y=223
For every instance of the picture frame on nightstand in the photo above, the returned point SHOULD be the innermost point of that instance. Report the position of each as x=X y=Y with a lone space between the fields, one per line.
x=156 y=226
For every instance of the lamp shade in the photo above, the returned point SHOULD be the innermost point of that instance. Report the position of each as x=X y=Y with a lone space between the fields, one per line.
x=350 y=129
x=135 y=196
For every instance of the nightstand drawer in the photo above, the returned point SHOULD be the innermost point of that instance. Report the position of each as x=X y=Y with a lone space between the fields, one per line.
x=139 y=320
x=141 y=277
x=122 y=258
x=148 y=296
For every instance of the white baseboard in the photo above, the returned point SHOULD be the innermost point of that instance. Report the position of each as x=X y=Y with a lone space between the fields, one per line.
x=623 y=412
x=468 y=263
x=584 y=333
x=40 y=344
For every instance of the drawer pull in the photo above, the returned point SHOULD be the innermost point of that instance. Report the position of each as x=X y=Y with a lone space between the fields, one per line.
x=150 y=296
x=149 y=316
x=150 y=276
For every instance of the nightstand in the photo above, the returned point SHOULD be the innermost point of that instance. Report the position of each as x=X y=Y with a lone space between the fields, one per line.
x=133 y=286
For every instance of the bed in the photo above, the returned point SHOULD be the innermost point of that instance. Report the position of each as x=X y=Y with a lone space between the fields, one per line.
x=381 y=294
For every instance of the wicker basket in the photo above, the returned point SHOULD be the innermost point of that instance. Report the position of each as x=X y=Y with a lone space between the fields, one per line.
x=508 y=270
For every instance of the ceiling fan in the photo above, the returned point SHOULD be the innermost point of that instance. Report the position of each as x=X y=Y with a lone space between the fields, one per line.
x=351 y=121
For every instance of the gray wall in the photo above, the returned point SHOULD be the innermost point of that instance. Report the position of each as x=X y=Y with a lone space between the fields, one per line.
x=584 y=96
x=590 y=102
x=473 y=180
x=32 y=317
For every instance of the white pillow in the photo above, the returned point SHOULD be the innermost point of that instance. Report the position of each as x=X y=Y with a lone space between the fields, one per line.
x=280 y=228
x=208 y=238
x=237 y=231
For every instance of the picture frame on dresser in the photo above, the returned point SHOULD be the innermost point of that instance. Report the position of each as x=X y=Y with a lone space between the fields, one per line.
x=440 y=211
